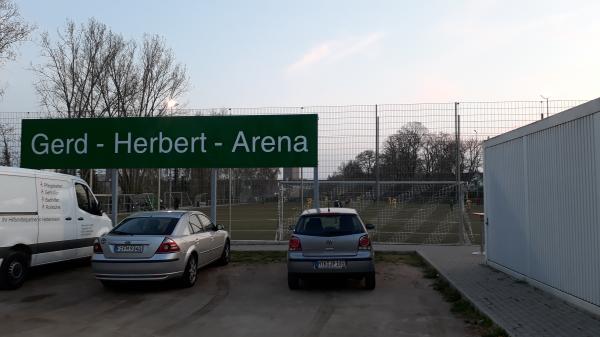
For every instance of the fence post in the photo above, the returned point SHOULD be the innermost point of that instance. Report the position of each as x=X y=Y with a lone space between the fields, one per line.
x=378 y=187
x=158 y=192
x=230 y=201
x=170 y=188
x=301 y=190
x=279 y=234
x=92 y=179
x=459 y=200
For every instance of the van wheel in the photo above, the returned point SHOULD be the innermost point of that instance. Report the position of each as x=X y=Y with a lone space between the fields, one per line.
x=190 y=275
x=370 y=281
x=226 y=255
x=14 y=270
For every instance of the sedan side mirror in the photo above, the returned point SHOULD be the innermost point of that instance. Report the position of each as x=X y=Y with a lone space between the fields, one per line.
x=370 y=226
x=220 y=227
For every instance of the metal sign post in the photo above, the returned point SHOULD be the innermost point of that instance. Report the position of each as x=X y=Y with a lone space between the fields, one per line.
x=114 y=189
x=213 y=195
x=316 y=188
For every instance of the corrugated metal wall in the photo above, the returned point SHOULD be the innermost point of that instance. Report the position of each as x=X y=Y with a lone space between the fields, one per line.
x=507 y=226
x=542 y=206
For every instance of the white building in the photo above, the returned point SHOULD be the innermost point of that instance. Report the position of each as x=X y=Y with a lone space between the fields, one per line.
x=542 y=204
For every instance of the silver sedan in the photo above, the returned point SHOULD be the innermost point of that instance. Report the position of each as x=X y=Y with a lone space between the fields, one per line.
x=159 y=246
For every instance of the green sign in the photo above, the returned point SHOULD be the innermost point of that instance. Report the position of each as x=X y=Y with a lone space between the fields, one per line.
x=154 y=142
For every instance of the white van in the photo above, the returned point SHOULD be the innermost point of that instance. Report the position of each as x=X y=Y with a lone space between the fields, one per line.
x=45 y=217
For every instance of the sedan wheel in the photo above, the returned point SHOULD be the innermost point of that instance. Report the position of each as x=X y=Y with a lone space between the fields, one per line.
x=191 y=273
x=226 y=255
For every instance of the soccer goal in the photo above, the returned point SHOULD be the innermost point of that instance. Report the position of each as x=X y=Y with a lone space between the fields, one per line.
x=176 y=200
x=417 y=212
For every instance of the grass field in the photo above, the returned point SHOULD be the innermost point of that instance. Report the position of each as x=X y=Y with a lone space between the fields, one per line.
x=431 y=223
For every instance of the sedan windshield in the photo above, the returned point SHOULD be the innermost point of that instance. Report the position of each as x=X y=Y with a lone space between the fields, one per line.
x=146 y=226
x=329 y=225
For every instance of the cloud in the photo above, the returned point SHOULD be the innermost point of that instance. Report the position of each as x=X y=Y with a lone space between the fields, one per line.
x=335 y=50
x=480 y=26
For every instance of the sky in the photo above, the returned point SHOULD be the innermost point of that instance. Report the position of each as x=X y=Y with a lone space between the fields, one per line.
x=302 y=53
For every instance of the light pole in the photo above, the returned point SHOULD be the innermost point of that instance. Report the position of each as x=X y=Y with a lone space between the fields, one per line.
x=547 y=106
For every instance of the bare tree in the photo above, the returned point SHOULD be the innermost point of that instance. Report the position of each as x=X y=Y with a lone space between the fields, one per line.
x=438 y=155
x=401 y=152
x=471 y=157
x=119 y=85
x=348 y=170
x=6 y=156
x=161 y=79
x=90 y=71
x=366 y=161
x=70 y=83
x=12 y=30
x=414 y=153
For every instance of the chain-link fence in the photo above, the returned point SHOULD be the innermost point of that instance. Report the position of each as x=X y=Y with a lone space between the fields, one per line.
x=396 y=164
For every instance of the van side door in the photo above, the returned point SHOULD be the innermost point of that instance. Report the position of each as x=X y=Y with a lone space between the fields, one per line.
x=86 y=216
x=57 y=238
x=18 y=210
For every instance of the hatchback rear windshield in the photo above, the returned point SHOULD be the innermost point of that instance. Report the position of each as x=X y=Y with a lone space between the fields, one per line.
x=146 y=226
x=329 y=225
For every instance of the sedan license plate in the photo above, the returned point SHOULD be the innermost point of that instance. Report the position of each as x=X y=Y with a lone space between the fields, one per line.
x=330 y=264
x=129 y=249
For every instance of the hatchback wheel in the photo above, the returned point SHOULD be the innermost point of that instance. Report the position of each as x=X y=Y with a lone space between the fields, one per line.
x=13 y=270
x=370 y=281
x=190 y=275
x=293 y=281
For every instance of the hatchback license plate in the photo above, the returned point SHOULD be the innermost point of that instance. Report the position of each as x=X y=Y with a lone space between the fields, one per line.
x=330 y=264
x=129 y=248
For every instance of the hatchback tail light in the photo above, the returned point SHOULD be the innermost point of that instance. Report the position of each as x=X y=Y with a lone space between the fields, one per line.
x=97 y=247
x=167 y=246
x=364 y=242
x=295 y=244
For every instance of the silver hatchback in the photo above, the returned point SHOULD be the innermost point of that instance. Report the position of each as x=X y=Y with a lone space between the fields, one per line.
x=330 y=241
x=159 y=246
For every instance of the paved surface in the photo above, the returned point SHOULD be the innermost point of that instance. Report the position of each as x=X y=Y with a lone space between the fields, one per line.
x=520 y=309
x=236 y=300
